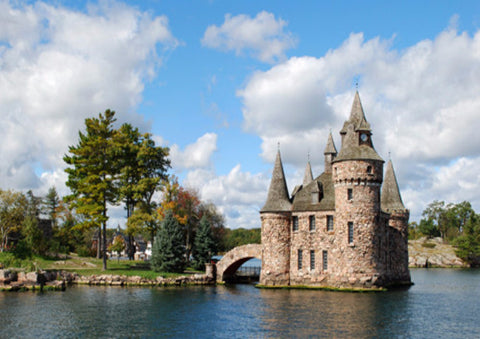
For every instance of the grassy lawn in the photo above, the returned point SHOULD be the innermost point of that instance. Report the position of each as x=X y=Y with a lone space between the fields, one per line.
x=87 y=266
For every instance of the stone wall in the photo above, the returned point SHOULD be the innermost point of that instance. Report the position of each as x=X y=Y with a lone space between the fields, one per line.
x=358 y=263
x=275 y=248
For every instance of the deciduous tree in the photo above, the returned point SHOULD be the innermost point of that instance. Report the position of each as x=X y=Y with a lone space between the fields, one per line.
x=13 y=207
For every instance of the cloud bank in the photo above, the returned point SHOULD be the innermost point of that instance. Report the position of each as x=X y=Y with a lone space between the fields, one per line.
x=422 y=103
x=59 y=66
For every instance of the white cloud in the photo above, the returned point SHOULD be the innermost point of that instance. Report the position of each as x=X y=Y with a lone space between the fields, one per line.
x=59 y=66
x=238 y=195
x=422 y=103
x=263 y=36
x=195 y=155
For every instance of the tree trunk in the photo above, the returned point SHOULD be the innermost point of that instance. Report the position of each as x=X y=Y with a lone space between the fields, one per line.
x=104 y=246
x=99 y=243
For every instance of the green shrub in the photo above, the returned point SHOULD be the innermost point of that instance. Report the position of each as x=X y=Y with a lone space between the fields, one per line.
x=84 y=251
x=22 y=250
x=428 y=245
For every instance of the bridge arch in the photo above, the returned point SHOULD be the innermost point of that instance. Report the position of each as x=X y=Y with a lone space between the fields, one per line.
x=235 y=258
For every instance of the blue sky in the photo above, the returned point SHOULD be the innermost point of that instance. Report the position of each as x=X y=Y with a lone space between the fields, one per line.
x=223 y=82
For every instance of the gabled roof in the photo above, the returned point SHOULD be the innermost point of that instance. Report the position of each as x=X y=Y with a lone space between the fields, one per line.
x=391 y=199
x=308 y=177
x=277 y=199
x=303 y=199
x=330 y=148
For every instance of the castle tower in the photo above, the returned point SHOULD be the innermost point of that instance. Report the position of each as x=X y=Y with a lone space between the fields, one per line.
x=330 y=154
x=391 y=203
x=275 y=217
x=357 y=176
x=308 y=177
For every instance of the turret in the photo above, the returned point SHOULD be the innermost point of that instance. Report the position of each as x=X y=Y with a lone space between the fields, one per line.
x=330 y=153
x=308 y=177
x=357 y=177
x=392 y=204
x=276 y=220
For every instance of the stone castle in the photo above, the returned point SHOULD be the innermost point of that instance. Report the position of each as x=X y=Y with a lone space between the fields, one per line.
x=342 y=229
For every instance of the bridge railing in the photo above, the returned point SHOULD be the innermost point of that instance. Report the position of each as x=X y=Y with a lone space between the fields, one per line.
x=248 y=271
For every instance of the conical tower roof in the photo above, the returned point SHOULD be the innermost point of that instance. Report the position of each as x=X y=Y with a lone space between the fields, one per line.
x=330 y=148
x=391 y=199
x=308 y=177
x=357 y=117
x=354 y=128
x=278 y=199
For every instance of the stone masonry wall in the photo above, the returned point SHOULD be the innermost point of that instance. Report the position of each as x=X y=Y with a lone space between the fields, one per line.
x=398 y=237
x=358 y=263
x=317 y=240
x=275 y=248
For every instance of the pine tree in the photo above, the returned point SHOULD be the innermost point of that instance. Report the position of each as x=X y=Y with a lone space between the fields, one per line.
x=51 y=203
x=168 y=251
x=92 y=177
x=204 y=244
x=143 y=169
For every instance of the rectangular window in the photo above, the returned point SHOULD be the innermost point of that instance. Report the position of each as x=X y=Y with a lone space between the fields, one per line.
x=325 y=260
x=329 y=222
x=350 y=232
x=300 y=259
x=295 y=223
x=350 y=194
x=311 y=220
x=312 y=260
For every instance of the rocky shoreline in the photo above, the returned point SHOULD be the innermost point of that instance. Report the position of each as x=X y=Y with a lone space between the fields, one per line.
x=425 y=252
x=12 y=280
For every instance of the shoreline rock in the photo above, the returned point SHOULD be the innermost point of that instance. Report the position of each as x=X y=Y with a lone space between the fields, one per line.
x=11 y=280
x=434 y=252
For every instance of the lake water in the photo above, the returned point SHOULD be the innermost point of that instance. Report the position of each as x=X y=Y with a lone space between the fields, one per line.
x=443 y=303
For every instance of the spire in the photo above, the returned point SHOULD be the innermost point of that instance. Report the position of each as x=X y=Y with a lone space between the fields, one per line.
x=330 y=153
x=278 y=199
x=308 y=177
x=391 y=199
x=330 y=148
x=356 y=136
x=357 y=117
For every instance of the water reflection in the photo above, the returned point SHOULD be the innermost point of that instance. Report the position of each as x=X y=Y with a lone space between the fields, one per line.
x=443 y=303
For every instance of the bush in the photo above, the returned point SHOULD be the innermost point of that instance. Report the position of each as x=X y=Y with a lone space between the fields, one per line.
x=84 y=251
x=22 y=250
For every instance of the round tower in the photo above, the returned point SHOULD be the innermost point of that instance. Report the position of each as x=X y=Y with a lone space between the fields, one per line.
x=276 y=223
x=357 y=174
x=391 y=203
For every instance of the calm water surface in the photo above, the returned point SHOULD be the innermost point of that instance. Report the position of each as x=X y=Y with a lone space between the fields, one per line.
x=443 y=303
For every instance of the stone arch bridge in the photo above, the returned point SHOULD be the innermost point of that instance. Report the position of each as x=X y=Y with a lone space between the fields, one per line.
x=235 y=258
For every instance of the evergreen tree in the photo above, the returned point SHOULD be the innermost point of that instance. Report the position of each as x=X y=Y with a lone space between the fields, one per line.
x=143 y=169
x=204 y=245
x=93 y=173
x=51 y=204
x=168 y=251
